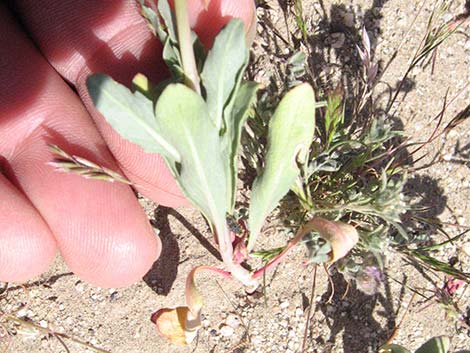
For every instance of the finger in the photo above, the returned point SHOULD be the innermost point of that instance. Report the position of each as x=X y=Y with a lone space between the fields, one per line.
x=208 y=19
x=26 y=244
x=79 y=38
x=101 y=230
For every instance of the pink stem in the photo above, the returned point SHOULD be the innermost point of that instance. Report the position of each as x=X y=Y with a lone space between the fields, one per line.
x=280 y=257
x=216 y=270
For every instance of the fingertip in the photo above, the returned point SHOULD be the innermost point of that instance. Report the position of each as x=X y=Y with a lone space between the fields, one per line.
x=27 y=247
x=122 y=263
x=208 y=19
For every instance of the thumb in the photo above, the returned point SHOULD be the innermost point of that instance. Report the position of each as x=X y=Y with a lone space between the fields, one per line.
x=207 y=17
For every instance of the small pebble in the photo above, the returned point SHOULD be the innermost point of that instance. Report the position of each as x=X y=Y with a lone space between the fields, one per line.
x=113 y=297
x=330 y=309
x=43 y=323
x=22 y=312
x=232 y=321
x=402 y=22
x=348 y=19
x=226 y=331
x=447 y=17
x=337 y=40
x=284 y=304
x=79 y=287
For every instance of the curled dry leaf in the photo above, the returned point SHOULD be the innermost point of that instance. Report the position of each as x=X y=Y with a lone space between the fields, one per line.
x=180 y=325
x=174 y=325
x=341 y=236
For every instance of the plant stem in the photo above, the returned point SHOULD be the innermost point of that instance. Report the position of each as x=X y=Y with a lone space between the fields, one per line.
x=226 y=252
x=298 y=237
x=186 y=48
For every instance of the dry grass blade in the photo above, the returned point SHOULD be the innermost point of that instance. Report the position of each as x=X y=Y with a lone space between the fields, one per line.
x=60 y=336
x=397 y=327
x=435 y=35
x=85 y=168
x=312 y=296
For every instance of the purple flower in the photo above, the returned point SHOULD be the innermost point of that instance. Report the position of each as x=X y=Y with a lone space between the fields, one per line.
x=368 y=279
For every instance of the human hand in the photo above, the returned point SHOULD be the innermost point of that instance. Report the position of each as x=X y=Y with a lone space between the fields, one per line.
x=99 y=227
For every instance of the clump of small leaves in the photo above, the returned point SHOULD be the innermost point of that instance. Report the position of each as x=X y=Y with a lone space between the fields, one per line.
x=358 y=166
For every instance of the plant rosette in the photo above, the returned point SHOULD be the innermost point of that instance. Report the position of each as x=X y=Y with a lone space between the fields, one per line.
x=194 y=120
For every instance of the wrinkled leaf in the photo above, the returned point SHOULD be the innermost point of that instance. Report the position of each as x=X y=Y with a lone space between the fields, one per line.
x=223 y=64
x=183 y=119
x=290 y=134
x=245 y=99
x=435 y=345
x=341 y=236
x=130 y=114
x=393 y=348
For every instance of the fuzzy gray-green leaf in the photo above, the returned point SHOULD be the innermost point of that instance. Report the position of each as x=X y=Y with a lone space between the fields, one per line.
x=290 y=134
x=167 y=15
x=222 y=67
x=183 y=119
x=435 y=345
x=244 y=100
x=130 y=114
x=153 y=21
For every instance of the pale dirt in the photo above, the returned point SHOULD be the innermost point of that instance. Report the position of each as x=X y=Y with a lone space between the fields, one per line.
x=119 y=320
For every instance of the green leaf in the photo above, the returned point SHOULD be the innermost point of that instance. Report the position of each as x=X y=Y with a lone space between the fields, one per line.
x=166 y=13
x=290 y=135
x=163 y=25
x=130 y=114
x=172 y=58
x=393 y=348
x=153 y=21
x=435 y=345
x=334 y=114
x=224 y=62
x=183 y=119
x=142 y=84
x=245 y=99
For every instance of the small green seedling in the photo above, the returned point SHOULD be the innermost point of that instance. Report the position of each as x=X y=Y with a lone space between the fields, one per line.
x=195 y=122
x=438 y=344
